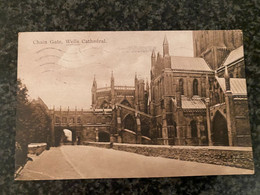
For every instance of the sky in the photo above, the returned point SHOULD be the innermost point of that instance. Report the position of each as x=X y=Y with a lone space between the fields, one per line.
x=59 y=67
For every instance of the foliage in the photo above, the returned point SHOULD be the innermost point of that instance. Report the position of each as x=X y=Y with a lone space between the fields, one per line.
x=33 y=123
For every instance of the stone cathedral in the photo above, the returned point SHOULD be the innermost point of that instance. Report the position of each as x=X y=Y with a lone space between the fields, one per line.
x=200 y=100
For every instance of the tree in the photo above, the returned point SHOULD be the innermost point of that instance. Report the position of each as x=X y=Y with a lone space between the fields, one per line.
x=23 y=113
x=33 y=123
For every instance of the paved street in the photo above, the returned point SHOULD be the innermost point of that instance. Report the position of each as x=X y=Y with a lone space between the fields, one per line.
x=78 y=162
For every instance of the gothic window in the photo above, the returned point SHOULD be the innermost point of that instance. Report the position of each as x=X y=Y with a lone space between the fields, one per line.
x=193 y=126
x=162 y=104
x=210 y=84
x=129 y=123
x=169 y=119
x=217 y=97
x=195 y=87
x=78 y=120
x=181 y=86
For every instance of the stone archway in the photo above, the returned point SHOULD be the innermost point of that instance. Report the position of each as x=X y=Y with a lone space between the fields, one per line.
x=103 y=136
x=61 y=137
x=220 y=130
x=129 y=123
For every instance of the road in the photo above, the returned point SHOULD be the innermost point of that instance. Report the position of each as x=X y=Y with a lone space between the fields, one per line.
x=79 y=162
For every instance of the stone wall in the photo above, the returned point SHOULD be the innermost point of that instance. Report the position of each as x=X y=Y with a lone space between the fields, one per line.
x=36 y=148
x=240 y=157
x=98 y=144
x=128 y=136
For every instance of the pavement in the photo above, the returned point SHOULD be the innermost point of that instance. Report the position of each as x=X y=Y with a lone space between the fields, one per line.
x=85 y=162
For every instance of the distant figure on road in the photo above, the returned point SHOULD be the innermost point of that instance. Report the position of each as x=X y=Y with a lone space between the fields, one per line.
x=78 y=140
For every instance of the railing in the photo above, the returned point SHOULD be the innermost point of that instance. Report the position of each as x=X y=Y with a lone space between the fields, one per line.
x=124 y=87
x=103 y=89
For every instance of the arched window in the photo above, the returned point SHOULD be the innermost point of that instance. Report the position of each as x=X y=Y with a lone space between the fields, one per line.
x=195 y=87
x=219 y=130
x=181 y=86
x=193 y=126
x=130 y=123
x=217 y=97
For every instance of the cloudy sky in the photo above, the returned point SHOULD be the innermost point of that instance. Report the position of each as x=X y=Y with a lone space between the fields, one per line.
x=59 y=66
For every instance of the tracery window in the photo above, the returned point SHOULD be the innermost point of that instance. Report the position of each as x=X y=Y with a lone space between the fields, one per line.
x=195 y=87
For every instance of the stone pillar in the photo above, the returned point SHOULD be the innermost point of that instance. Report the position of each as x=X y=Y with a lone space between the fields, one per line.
x=203 y=133
x=178 y=99
x=200 y=86
x=207 y=86
x=189 y=92
x=52 y=128
x=198 y=131
x=119 y=125
x=208 y=122
x=96 y=131
x=179 y=129
x=188 y=131
x=231 y=125
x=138 y=130
x=164 y=128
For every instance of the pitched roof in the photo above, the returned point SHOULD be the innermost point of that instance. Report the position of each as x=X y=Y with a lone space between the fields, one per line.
x=237 y=85
x=234 y=55
x=189 y=63
x=194 y=103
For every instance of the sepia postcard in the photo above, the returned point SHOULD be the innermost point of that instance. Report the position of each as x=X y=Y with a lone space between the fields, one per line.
x=131 y=104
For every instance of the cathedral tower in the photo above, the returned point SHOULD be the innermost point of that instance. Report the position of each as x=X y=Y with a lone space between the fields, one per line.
x=165 y=47
x=153 y=63
x=214 y=46
x=94 y=93
x=112 y=85
x=166 y=55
